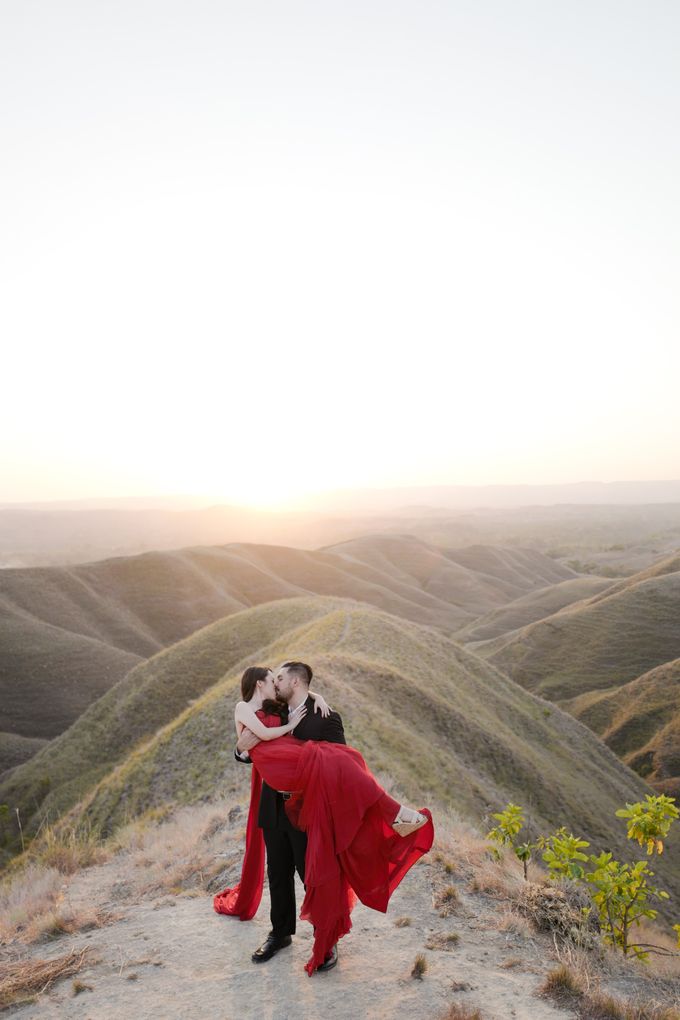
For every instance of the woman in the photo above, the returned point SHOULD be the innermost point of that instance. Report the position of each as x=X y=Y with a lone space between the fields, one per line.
x=360 y=841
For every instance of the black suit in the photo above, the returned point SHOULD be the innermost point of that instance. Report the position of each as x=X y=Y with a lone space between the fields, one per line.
x=286 y=845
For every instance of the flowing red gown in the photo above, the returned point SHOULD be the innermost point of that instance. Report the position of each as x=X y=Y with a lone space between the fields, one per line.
x=352 y=850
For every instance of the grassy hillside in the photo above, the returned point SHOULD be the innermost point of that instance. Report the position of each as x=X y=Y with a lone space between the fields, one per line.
x=15 y=750
x=531 y=607
x=149 y=697
x=611 y=660
x=640 y=721
x=513 y=570
x=48 y=675
x=660 y=568
x=67 y=634
x=599 y=643
x=435 y=719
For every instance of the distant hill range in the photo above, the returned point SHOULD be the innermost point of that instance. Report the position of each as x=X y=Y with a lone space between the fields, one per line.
x=436 y=720
x=495 y=496
x=618 y=528
x=68 y=634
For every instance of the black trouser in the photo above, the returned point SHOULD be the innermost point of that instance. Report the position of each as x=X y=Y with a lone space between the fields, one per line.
x=286 y=848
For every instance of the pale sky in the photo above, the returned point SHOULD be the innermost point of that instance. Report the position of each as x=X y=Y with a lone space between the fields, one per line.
x=260 y=249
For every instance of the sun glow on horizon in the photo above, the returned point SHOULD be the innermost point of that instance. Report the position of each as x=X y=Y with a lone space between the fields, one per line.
x=293 y=251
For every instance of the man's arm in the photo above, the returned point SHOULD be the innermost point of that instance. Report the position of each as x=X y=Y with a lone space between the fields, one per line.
x=332 y=730
x=245 y=743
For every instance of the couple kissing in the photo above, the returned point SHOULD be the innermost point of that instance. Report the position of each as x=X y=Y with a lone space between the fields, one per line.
x=315 y=808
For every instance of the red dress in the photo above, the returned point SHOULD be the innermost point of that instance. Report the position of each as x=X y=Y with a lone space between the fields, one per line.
x=352 y=850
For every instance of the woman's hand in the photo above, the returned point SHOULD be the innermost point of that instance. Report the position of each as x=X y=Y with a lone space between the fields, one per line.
x=297 y=715
x=321 y=705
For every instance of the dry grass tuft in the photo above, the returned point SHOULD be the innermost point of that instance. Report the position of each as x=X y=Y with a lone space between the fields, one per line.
x=570 y=988
x=461 y=1012
x=463 y=844
x=419 y=967
x=446 y=864
x=403 y=922
x=496 y=879
x=65 y=921
x=442 y=940
x=600 y=1006
x=179 y=853
x=80 y=986
x=562 y=985
x=446 y=900
x=26 y=896
x=512 y=921
x=32 y=907
x=514 y=961
x=67 y=850
x=20 y=981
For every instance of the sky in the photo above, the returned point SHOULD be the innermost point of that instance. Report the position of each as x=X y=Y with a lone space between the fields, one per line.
x=260 y=250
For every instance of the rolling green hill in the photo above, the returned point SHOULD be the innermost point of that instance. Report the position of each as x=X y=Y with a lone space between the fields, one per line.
x=612 y=661
x=514 y=570
x=531 y=607
x=599 y=643
x=67 y=634
x=472 y=579
x=48 y=675
x=15 y=750
x=437 y=720
x=640 y=721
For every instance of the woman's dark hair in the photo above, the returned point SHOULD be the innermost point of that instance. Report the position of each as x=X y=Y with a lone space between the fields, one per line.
x=271 y=706
x=250 y=678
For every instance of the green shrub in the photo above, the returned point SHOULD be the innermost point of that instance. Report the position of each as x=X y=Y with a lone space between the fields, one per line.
x=650 y=820
x=562 y=854
x=621 y=891
x=510 y=824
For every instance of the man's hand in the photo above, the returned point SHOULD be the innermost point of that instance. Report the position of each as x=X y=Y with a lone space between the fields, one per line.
x=247 y=741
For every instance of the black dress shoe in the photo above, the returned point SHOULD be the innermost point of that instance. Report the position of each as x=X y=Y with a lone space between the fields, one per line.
x=330 y=960
x=270 y=947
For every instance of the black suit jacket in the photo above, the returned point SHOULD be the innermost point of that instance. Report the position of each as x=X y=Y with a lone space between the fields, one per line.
x=313 y=727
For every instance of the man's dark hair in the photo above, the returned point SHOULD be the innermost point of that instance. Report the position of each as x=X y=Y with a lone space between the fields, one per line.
x=301 y=670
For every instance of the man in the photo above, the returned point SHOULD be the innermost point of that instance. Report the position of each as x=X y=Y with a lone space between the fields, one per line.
x=286 y=845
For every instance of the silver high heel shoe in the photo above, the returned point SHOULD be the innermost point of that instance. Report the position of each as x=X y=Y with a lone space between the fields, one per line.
x=408 y=820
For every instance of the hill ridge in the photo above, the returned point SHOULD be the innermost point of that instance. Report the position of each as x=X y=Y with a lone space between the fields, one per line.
x=135 y=606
